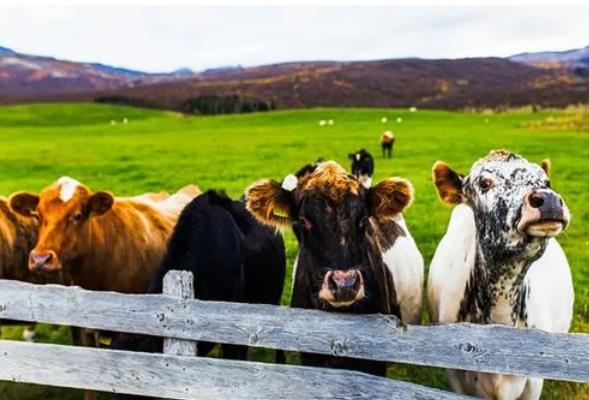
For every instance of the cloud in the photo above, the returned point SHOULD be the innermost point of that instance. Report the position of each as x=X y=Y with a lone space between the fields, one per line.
x=158 y=38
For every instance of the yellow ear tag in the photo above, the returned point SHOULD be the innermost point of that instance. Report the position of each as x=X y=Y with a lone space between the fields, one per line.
x=277 y=212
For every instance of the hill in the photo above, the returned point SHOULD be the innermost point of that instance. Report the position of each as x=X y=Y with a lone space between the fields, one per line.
x=449 y=84
x=577 y=58
x=29 y=77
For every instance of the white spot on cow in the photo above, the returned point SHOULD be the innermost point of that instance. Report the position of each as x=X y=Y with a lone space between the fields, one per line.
x=357 y=156
x=67 y=188
x=290 y=183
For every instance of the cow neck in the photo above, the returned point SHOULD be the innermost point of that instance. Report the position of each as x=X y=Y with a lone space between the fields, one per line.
x=495 y=292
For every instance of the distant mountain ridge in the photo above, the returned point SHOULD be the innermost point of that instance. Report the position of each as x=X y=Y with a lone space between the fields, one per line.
x=571 y=58
x=27 y=76
x=523 y=79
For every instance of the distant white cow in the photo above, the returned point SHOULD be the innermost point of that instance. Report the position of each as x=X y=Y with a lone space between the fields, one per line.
x=330 y=122
x=384 y=120
x=322 y=122
x=412 y=109
x=399 y=120
x=499 y=262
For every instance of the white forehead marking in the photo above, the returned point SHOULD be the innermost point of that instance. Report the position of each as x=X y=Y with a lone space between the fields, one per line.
x=67 y=188
x=357 y=156
x=290 y=183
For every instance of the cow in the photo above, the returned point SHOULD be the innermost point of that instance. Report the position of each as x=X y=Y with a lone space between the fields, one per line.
x=362 y=166
x=232 y=257
x=387 y=141
x=97 y=241
x=18 y=236
x=344 y=231
x=100 y=242
x=499 y=262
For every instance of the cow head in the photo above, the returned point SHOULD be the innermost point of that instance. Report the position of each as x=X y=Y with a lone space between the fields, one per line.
x=513 y=204
x=341 y=226
x=64 y=210
x=362 y=166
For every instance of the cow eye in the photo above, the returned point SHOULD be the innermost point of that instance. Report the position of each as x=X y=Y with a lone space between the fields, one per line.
x=305 y=223
x=548 y=184
x=486 y=184
x=77 y=216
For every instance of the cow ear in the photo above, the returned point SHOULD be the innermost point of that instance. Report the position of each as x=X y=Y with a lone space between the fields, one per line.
x=390 y=197
x=269 y=203
x=100 y=202
x=546 y=166
x=448 y=183
x=24 y=203
x=351 y=156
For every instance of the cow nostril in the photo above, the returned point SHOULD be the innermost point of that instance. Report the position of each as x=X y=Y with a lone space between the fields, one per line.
x=536 y=200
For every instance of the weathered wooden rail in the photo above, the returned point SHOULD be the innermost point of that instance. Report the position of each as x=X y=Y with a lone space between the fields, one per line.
x=177 y=316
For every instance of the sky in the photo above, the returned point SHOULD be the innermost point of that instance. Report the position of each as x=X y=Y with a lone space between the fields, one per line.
x=159 y=38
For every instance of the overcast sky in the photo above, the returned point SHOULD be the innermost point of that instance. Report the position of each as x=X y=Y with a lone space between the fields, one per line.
x=166 y=38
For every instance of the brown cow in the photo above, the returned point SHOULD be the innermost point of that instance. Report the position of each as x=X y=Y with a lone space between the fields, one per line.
x=100 y=242
x=17 y=238
x=387 y=141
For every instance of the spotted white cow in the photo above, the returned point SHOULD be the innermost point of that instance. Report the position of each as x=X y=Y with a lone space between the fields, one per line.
x=499 y=262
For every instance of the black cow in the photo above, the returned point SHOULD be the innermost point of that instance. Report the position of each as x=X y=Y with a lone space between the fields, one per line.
x=343 y=229
x=233 y=257
x=362 y=166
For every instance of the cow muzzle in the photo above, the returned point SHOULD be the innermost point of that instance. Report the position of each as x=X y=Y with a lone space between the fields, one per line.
x=544 y=214
x=43 y=261
x=342 y=288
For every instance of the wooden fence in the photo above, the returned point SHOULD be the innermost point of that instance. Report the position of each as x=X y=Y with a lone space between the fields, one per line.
x=182 y=320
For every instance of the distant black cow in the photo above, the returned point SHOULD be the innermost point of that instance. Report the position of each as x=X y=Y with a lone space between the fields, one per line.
x=344 y=231
x=362 y=166
x=232 y=256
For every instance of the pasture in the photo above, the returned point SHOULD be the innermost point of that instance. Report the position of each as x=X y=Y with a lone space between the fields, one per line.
x=164 y=151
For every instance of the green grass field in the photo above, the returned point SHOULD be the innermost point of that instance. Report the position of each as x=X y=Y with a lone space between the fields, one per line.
x=164 y=151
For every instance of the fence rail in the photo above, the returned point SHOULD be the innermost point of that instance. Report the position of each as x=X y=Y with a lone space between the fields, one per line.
x=183 y=320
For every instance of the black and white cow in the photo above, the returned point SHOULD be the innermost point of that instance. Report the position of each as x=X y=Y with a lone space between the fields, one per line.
x=499 y=261
x=362 y=166
x=343 y=230
x=233 y=257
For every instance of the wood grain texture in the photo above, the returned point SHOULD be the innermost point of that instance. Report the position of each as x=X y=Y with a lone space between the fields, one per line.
x=179 y=285
x=489 y=348
x=173 y=377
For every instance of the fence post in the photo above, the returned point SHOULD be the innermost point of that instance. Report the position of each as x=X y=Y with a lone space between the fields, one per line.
x=179 y=285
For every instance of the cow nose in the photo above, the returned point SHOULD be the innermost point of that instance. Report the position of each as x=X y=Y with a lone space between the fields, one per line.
x=42 y=260
x=344 y=279
x=548 y=204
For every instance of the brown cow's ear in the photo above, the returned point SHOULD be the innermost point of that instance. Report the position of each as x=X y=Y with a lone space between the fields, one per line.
x=269 y=203
x=546 y=166
x=100 y=202
x=448 y=183
x=24 y=203
x=390 y=197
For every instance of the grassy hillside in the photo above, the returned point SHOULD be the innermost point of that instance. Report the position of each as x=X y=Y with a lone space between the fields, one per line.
x=164 y=151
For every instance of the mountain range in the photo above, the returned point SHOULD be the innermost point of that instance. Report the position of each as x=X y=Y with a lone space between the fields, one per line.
x=543 y=79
